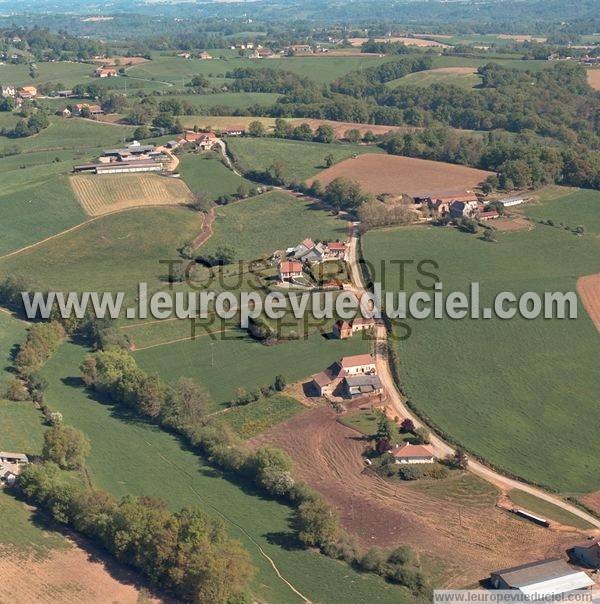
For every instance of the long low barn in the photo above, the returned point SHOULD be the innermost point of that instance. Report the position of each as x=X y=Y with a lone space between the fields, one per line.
x=541 y=579
x=120 y=167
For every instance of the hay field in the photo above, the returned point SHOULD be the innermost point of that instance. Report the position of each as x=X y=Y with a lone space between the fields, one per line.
x=395 y=174
x=588 y=288
x=593 y=76
x=420 y=42
x=101 y=194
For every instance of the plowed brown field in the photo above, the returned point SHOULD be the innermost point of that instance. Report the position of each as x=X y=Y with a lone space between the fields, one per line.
x=588 y=288
x=64 y=577
x=454 y=522
x=593 y=76
x=592 y=500
x=103 y=193
x=396 y=175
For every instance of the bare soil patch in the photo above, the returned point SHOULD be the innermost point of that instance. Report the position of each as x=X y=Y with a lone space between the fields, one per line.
x=592 y=501
x=405 y=40
x=340 y=128
x=453 y=70
x=521 y=37
x=67 y=576
x=396 y=175
x=511 y=223
x=121 y=61
x=588 y=288
x=455 y=521
x=101 y=194
x=593 y=76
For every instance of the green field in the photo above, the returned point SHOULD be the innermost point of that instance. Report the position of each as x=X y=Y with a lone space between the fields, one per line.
x=66 y=73
x=21 y=530
x=269 y=222
x=523 y=394
x=72 y=133
x=256 y=417
x=235 y=100
x=300 y=160
x=235 y=360
x=579 y=208
x=547 y=510
x=113 y=253
x=206 y=173
x=22 y=427
x=131 y=457
x=321 y=69
x=428 y=78
x=35 y=204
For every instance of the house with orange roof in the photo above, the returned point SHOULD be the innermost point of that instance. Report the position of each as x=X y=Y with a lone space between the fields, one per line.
x=290 y=269
x=409 y=453
x=28 y=92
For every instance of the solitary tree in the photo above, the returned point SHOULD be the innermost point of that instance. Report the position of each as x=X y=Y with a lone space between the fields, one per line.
x=66 y=446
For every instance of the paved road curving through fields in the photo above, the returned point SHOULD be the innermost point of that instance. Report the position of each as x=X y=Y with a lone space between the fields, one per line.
x=440 y=446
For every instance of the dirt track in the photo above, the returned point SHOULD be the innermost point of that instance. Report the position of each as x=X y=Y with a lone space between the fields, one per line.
x=468 y=534
x=588 y=288
x=396 y=175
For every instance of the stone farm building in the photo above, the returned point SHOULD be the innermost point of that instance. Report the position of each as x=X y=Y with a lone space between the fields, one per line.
x=330 y=380
x=343 y=330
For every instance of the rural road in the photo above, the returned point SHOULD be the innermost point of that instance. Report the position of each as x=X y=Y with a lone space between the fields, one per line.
x=441 y=447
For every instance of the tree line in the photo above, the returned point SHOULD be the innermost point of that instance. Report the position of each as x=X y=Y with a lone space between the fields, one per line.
x=185 y=553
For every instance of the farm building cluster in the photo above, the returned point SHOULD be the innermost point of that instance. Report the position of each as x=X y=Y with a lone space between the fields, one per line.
x=18 y=94
x=306 y=253
x=464 y=204
x=135 y=157
x=11 y=465
x=349 y=377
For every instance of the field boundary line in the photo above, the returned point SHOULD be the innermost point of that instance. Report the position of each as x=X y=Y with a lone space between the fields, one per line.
x=184 y=339
x=85 y=223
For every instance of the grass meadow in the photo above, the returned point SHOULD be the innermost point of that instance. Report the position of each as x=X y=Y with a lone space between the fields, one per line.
x=272 y=221
x=300 y=160
x=131 y=457
x=112 y=253
x=232 y=360
x=522 y=394
x=256 y=417
x=205 y=172
x=430 y=77
x=66 y=73
x=178 y=71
